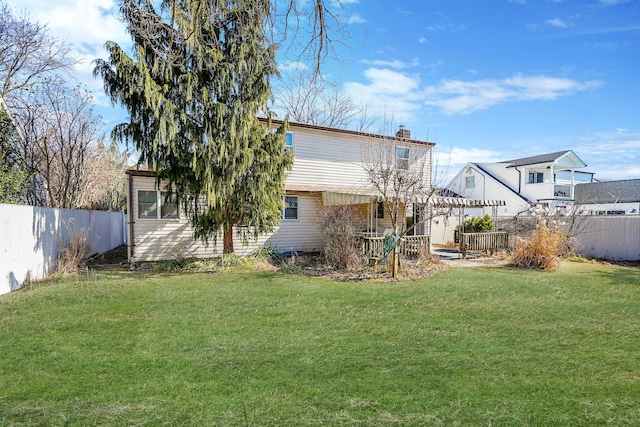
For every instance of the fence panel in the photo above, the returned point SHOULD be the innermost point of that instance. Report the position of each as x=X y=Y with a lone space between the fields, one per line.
x=30 y=238
x=615 y=238
x=490 y=241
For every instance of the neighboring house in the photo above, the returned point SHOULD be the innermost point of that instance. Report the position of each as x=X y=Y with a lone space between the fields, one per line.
x=327 y=170
x=609 y=197
x=547 y=180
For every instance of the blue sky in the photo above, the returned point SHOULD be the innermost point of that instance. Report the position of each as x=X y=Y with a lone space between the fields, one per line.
x=485 y=80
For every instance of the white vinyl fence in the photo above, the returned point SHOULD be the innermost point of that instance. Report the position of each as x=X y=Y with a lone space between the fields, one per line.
x=30 y=238
x=614 y=238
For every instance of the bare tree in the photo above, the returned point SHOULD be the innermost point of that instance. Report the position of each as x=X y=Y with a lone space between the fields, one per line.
x=105 y=186
x=400 y=174
x=307 y=30
x=59 y=129
x=56 y=123
x=28 y=54
x=307 y=98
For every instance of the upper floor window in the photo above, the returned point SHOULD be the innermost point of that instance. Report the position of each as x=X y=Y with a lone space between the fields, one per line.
x=288 y=141
x=402 y=157
x=290 y=209
x=536 y=177
x=470 y=181
x=157 y=204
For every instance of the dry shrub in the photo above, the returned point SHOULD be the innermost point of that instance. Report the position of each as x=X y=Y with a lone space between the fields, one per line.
x=426 y=258
x=544 y=249
x=340 y=225
x=73 y=254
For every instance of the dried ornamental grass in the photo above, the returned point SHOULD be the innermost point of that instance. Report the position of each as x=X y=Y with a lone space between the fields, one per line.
x=544 y=249
x=73 y=254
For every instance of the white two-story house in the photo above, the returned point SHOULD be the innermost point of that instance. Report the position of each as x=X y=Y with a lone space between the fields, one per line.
x=547 y=180
x=327 y=170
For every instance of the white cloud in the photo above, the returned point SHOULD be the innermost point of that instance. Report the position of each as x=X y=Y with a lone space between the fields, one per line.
x=356 y=19
x=390 y=88
x=397 y=64
x=388 y=92
x=462 y=97
x=422 y=40
x=86 y=26
x=449 y=161
x=557 y=22
x=293 y=66
x=611 y=155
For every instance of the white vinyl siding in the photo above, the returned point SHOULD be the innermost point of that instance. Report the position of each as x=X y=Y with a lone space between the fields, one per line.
x=165 y=239
x=322 y=158
x=334 y=159
x=303 y=235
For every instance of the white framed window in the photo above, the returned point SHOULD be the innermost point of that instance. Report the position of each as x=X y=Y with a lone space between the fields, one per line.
x=402 y=157
x=290 y=208
x=536 y=177
x=153 y=204
x=470 y=181
x=288 y=141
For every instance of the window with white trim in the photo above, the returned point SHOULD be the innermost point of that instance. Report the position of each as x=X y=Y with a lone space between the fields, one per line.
x=288 y=141
x=157 y=205
x=536 y=177
x=470 y=181
x=290 y=208
x=402 y=157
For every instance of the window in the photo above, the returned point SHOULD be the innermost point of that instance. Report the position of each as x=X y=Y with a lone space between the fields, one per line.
x=290 y=210
x=154 y=205
x=147 y=204
x=402 y=158
x=288 y=142
x=380 y=210
x=536 y=177
x=169 y=205
x=470 y=181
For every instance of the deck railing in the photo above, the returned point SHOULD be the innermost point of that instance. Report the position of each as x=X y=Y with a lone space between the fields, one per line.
x=487 y=242
x=372 y=246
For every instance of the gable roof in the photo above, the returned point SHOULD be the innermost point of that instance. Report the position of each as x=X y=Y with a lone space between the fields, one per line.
x=501 y=182
x=543 y=158
x=623 y=191
x=293 y=125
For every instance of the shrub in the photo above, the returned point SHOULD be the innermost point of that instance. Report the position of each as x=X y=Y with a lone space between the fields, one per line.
x=478 y=224
x=544 y=249
x=340 y=225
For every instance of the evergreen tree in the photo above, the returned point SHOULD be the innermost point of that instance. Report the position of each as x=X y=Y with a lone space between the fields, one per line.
x=193 y=88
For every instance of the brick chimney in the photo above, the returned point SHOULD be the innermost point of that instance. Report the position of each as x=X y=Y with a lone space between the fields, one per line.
x=403 y=133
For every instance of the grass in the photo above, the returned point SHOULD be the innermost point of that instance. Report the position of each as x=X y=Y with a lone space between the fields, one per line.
x=470 y=346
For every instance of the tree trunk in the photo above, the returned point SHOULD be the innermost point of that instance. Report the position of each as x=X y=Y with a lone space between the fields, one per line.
x=394 y=259
x=228 y=240
x=394 y=267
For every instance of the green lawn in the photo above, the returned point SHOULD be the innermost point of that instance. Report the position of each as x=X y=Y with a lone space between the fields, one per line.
x=470 y=346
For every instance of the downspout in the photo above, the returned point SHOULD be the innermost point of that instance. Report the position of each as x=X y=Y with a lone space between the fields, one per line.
x=130 y=247
x=519 y=180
